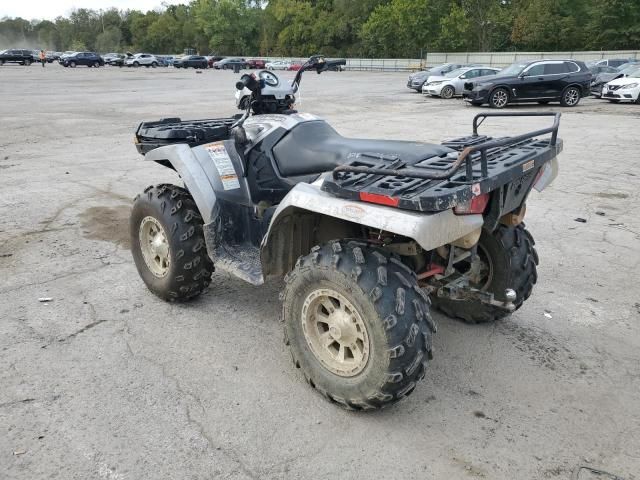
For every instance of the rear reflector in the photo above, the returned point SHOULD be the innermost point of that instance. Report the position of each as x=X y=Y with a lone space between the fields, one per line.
x=476 y=205
x=379 y=199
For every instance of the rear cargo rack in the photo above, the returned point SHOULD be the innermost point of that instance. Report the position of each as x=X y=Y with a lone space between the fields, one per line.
x=440 y=182
x=434 y=170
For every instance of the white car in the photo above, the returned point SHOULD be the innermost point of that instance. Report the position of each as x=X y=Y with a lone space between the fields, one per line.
x=278 y=65
x=623 y=89
x=142 y=59
x=452 y=83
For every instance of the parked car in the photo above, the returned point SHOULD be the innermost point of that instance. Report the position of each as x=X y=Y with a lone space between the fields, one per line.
x=256 y=63
x=452 y=83
x=165 y=60
x=417 y=80
x=23 y=57
x=601 y=79
x=295 y=66
x=230 y=63
x=88 y=59
x=108 y=57
x=65 y=55
x=278 y=65
x=609 y=62
x=191 y=61
x=120 y=60
x=53 y=56
x=142 y=60
x=623 y=89
x=211 y=59
x=542 y=81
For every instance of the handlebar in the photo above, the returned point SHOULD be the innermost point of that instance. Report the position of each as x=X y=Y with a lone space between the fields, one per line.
x=319 y=64
x=248 y=81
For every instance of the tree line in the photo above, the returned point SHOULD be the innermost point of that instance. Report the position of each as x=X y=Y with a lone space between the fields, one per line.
x=352 y=28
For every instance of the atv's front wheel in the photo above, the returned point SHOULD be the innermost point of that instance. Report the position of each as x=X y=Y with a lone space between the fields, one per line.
x=168 y=244
x=507 y=260
x=357 y=324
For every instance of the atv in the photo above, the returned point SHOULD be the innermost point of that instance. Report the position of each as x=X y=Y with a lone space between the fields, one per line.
x=367 y=234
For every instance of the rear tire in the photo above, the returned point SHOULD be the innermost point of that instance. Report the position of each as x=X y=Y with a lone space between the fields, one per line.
x=513 y=259
x=167 y=243
x=96 y=64
x=499 y=98
x=570 y=97
x=357 y=324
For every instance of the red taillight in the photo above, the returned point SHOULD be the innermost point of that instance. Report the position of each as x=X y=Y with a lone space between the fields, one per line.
x=379 y=199
x=475 y=205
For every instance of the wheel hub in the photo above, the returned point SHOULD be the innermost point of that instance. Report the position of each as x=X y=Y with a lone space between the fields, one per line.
x=154 y=246
x=335 y=332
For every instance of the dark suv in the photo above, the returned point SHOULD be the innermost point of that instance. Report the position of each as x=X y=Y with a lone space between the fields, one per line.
x=23 y=57
x=542 y=81
x=89 y=59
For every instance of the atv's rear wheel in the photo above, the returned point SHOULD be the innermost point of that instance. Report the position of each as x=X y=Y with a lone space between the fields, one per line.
x=508 y=260
x=357 y=324
x=168 y=244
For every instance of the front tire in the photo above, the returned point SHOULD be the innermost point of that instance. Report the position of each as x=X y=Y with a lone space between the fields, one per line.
x=499 y=98
x=510 y=259
x=570 y=97
x=72 y=64
x=167 y=243
x=447 y=92
x=357 y=324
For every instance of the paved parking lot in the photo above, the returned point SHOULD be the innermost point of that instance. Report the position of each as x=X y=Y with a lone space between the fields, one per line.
x=107 y=381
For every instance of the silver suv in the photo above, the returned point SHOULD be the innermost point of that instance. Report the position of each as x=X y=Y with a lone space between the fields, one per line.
x=142 y=59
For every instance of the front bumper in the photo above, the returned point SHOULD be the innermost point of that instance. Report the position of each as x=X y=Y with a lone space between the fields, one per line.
x=630 y=94
x=415 y=84
x=475 y=96
x=432 y=89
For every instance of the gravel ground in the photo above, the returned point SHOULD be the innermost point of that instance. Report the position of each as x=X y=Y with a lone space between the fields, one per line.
x=107 y=381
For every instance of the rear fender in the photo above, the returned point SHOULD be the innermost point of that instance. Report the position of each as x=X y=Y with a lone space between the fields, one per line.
x=307 y=215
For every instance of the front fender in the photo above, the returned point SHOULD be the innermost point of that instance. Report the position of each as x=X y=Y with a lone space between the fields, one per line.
x=429 y=230
x=193 y=175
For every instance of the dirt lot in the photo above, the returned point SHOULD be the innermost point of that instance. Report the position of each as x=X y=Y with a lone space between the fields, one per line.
x=107 y=381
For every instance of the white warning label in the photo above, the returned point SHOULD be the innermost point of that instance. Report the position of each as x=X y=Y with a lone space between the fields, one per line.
x=223 y=164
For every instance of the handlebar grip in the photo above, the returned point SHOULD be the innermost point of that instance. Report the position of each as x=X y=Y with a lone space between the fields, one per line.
x=244 y=81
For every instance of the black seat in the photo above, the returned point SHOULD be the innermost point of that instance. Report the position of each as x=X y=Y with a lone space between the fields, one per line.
x=315 y=147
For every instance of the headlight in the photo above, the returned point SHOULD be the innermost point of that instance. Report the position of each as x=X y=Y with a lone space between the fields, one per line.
x=435 y=83
x=631 y=85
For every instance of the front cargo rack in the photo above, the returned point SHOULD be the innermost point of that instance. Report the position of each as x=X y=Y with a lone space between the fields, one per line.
x=439 y=183
x=151 y=135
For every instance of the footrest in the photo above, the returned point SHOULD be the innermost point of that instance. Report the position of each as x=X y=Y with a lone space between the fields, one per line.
x=243 y=261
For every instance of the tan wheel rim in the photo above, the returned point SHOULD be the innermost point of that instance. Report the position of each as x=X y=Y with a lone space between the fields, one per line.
x=335 y=332
x=154 y=246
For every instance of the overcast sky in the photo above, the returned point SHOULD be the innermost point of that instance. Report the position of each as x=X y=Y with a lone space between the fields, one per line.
x=50 y=9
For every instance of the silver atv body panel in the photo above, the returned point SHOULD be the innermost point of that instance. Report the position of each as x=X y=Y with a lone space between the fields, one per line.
x=428 y=230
